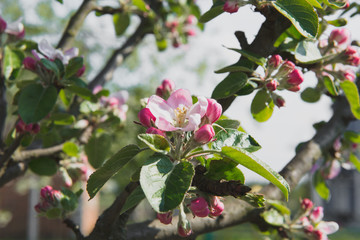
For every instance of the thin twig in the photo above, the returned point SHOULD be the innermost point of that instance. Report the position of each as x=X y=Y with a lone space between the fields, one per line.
x=74 y=227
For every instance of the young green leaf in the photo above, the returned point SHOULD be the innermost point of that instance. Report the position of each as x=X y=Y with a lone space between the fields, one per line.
x=352 y=95
x=12 y=61
x=301 y=14
x=71 y=149
x=36 y=102
x=310 y=95
x=352 y=136
x=110 y=168
x=307 y=52
x=330 y=86
x=251 y=56
x=262 y=106
x=213 y=12
x=165 y=183
x=354 y=160
x=273 y=217
x=156 y=142
x=134 y=199
x=121 y=22
x=73 y=67
x=97 y=149
x=230 y=85
x=62 y=118
x=320 y=186
x=83 y=92
x=226 y=123
x=43 y=166
x=251 y=162
x=50 y=65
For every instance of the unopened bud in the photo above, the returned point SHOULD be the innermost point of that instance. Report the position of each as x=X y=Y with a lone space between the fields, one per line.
x=231 y=6
x=204 y=134
x=165 y=218
x=81 y=71
x=216 y=206
x=275 y=61
x=340 y=36
x=184 y=232
x=294 y=88
x=307 y=204
x=46 y=193
x=191 y=20
x=29 y=63
x=199 y=207
x=296 y=77
x=279 y=101
x=3 y=25
x=152 y=130
x=352 y=56
x=213 y=111
x=285 y=68
x=190 y=32
x=272 y=85
x=146 y=117
x=165 y=89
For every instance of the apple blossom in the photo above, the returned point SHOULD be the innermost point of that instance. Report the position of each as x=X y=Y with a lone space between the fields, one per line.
x=213 y=111
x=317 y=214
x=191 y=20
x=51 y=53
x=349 y=75
x=16 y=28
x=307 y=204
x=340 y=36
x=199 y=207
x=296 y=77
x=204 y=134
x=178 y=112
x=285 y=69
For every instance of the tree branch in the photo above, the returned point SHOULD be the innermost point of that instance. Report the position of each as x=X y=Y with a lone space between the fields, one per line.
x=74 y=227
x=35 y=153
x=240 y=212
x=120 y=54
x=13 y=171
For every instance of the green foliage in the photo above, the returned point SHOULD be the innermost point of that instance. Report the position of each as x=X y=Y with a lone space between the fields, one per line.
x=121 y=22
x=301 y=14
x=62 y=118
x=43 y=166
x=352 y=95
x=73 y=67
x=225 y=169
x=230 y=85
x=354 y=160
x=71 y=149
x=262 y=106
x=352 y=136
x=12 y=61
x=213 y=12
x=110 y=168
x=165 y=183
x=155 y=142
x=320 y=186
x=311 y=95
x=273 y=217
x=330 y=86
x=36 y=102
x=97 y=149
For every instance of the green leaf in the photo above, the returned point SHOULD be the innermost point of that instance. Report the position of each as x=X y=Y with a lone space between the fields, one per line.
x=134 y=199
x=335 y=3
x=140 y=4
x=273 y=217
x=307 y=52
x=110 y=168
x=251 y=56
x=330 y=86
x=279 y=206
x=255 y=200
x=311 y=95
x=262 y=106
x=88 y=107
x=12 y=61
x=60 y=1
x=230 y=85
x=52 y=66
x=225 y=170
x=62 y=118
x=352 y=95
x=226 y=123
x=97 y=149
x=234 y=68
x=43 y=166
x=340 y=22
x=70 y=200
x=156 y=142
x=165 y=183
x=354 y=160
x=251 y=162
x=71 y=149
x=213 y=12
x=36 y=102
x=73 y=67
x=53 y=213
x=320 y=186
x=121 y=22
x=352 y=136
x=83 y=92
x=315 y=3
x=235 y=138
x=301 y=14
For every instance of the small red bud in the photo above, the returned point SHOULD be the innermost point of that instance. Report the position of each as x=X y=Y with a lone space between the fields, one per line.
x=204 y=134
x=146 y=117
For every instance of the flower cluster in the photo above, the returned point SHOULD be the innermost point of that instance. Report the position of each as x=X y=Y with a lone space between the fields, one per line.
x=49 y=199
x=22 y=128
x=311 y=221
x=48 y=52
x=15 y=29
x=178 y=114
x=342 y=56
x=74 y=169
x=180 y=29
x=200 y=207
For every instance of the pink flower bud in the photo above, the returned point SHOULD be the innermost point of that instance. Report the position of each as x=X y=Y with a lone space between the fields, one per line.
x=190 y=32
x=160 y=91
x=347 y=4
x=42 y=207
x=112 y=101
x=184 y=232
x=349 y=75
x=213 y=111
x=191 y=19
x=204 y=134
x=200 y=207
x=29 y=63
x=319 y=235
x=146 y=117
x=20 y=126
x=97 y=89
x=152 y=130
x=275 y=61
x=317 y=214
x=337 y=144
x=296 y=77
x=46 y=193
x=352 y=56
x=165 y=218
x=272 y=85
x=16 y=29
x=35 y=128
x=81 y=71
x=3 y=25
x=231 y=6
x=294 y=88
x=307 y=204
x=168 y=85
x=217 y=206
x=286 y=68
x=340 y=36
x=279 y=101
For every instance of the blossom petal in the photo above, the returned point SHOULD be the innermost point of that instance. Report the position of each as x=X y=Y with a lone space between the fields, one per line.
x=194 y=121
x=199 y=108
x=159 y=108
x=46 y=49
x=180 y=97
x=164 y=125
x=327 y=227
x=71 y=53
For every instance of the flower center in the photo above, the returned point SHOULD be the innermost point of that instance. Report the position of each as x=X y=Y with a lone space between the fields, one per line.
x=180 y=116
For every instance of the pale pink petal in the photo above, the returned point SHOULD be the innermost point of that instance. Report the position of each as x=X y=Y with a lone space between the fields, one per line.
x=164 y=125
x=71 y=53
x=46 y=49
x=180 y=97
x=335 y=169
x=328 y=227
x=160 y=108
x=199 y=108
x=194 y=121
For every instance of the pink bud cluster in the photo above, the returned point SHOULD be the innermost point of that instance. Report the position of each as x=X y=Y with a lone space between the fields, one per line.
x=178 y=27
x=178 y=112
x=311 y=221
x=22 y=128
x=15 y=29
x=49 y=198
